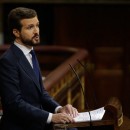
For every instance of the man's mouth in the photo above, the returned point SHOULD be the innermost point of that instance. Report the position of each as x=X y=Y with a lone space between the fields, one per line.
x=36 y=38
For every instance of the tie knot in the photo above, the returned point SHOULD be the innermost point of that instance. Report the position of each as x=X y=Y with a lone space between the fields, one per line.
x=32 y=52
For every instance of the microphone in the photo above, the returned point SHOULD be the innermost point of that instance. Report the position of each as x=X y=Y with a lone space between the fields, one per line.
x=82 y=92
x=85 y=68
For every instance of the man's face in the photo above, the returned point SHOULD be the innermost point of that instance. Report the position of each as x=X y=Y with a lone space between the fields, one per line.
x=29 y=34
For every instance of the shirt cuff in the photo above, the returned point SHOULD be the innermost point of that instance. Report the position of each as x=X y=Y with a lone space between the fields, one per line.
x=50 y=115
x=49 y=118
x=57 y=108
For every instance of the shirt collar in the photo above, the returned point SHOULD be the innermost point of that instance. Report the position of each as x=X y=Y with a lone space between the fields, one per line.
x=24 y=49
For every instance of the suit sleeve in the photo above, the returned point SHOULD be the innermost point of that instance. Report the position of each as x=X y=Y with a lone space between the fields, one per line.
x=48 y=102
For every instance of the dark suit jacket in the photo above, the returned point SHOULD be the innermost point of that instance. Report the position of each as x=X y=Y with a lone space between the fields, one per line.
x=26 y=104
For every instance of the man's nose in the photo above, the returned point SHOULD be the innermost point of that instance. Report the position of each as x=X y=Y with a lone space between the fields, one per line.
x=36 y=30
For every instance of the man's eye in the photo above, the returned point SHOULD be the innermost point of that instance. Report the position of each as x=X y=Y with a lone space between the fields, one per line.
x=30 y=27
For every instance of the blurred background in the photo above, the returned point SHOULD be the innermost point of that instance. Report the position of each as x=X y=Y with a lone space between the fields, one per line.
x=100 y=26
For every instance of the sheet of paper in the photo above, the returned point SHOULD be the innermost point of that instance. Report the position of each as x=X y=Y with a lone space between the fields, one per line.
x=95 y=115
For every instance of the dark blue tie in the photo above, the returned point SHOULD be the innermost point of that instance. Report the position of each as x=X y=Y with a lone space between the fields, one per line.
x=35 y=64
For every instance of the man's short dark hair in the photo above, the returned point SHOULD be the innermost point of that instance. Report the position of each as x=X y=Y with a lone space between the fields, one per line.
x=17 y=14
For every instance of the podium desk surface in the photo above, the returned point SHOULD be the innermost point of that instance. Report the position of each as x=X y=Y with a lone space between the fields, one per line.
x=84 y=124
x=125 y=125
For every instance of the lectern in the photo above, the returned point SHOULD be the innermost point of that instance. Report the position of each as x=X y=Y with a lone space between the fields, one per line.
x=112 y=119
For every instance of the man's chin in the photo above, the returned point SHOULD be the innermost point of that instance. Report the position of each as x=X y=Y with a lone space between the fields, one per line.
x=36 y=44
x=32 y=44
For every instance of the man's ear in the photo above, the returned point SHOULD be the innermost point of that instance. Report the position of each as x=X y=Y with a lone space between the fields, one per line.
x=16 y=32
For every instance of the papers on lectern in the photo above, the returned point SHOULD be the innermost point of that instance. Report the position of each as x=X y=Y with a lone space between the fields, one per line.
x=96 y=115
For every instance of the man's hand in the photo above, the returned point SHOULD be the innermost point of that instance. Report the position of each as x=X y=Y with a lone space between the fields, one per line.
x=62 y=118
x=68 y=109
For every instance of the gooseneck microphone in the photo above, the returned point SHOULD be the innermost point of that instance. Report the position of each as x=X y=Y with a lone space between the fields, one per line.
x=85 y=68
x=82 y=91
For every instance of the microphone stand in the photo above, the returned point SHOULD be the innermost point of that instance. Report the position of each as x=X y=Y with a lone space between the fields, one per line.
x=82 y=92
x=85 y=68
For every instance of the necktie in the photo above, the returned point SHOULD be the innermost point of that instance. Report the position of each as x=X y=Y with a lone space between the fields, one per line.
x=35 y=64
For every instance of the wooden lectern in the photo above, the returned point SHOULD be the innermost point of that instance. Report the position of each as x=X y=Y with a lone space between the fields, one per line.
x=112 y=119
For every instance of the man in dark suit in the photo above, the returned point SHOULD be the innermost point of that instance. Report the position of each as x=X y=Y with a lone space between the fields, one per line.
x=26 y=104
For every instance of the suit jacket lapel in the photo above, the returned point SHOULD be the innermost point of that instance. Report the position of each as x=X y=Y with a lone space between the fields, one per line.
x=25 y=65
